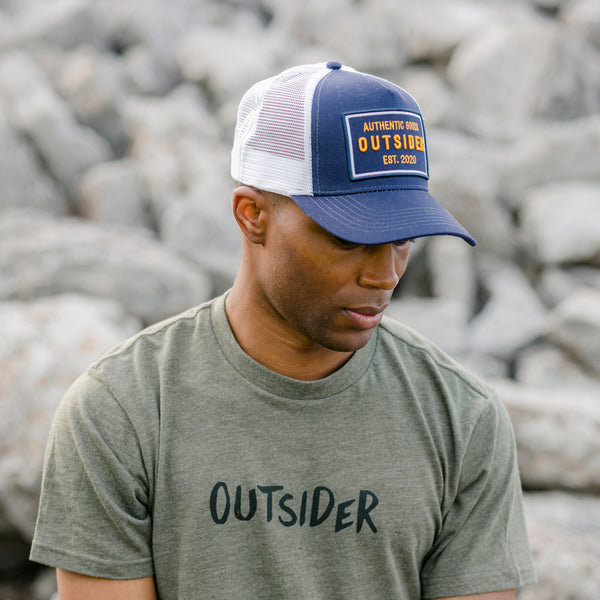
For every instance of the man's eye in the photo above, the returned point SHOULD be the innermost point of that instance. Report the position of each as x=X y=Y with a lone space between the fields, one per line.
x=345 y=244
x=402 y=243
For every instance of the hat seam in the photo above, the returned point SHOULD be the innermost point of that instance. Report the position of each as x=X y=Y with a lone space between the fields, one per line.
x=357 y=193
x=315 y=136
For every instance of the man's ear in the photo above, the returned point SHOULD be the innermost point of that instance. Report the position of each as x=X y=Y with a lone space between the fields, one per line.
x=249 y=212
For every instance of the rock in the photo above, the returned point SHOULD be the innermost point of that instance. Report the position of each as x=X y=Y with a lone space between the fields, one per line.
x=513 y=315
x=145 y=33
x=218 y=58
x=550 y=6
x=571 y=84
x=201 y=227
x=14 y=7
x=575 y=325
x=373 y=27
x=463 y=178
x=424 y=39
x=45 y=345
x=113 y=193
x=4 y=24
x=564 y=534
x=499 y=58
x=517 y=71
x=67 y=148
x=62 y=23
x=24 y=181
x=533 y=159
x=486 y=366
x=175 y=141
x=583 y=18
x=561 y=222
x=558 y=435
x=452 y=269
x=556 y=284
x=92 y=84
x=545 y=366
x=52 y=127
x=155 y=24
x=41 y=257
x=148 y=72
x=442 y=320
x=435 y=98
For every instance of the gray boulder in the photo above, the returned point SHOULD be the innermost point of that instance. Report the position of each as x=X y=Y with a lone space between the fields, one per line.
x=148 y=72
x=424 y=39
x=93 y=85
x=67 y=148
x=155 y=24
x=113 y=193
x=558 y=435
x=201 y=227
x=564 y=532
x=463 y=177
x=24 y=181
x=218 y=58
x=45 y=345
x=442 y=320
x=561 y=222
x=452 y=270
x=546 y=366
x=513 y=315
x=4 y=23
x=378 y=42
x=575 y=325
x=175 y=142
x=62 y=23
x=583 y=18
x=556 y=284
x=42 y=257
x=514 y=72
x=436 y=99
x=496 y=74
x=548 y=153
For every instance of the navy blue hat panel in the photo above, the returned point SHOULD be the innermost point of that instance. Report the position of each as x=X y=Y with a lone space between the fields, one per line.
x=367 y=135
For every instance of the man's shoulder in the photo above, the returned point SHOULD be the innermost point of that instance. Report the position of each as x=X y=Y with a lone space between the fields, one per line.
x=149 y=344
x=427 y=358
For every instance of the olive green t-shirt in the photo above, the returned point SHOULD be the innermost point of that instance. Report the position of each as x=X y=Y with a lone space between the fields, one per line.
x=177 y=455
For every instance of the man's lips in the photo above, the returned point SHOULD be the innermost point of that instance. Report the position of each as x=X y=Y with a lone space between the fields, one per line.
x=366 y=317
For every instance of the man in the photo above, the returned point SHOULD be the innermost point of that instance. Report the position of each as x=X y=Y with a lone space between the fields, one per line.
x=286 y=440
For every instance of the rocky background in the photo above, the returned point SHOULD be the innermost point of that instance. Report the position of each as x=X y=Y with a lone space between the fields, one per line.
x=116 y=119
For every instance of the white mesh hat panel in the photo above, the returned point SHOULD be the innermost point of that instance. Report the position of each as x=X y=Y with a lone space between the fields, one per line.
x=272 y=145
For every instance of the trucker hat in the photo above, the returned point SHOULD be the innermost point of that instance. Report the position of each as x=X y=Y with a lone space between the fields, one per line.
x=348 y=147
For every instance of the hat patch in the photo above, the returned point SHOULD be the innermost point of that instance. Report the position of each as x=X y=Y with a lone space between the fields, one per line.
x=382 y=143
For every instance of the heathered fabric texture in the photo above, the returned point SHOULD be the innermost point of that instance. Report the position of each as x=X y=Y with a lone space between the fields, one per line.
x=178 y=455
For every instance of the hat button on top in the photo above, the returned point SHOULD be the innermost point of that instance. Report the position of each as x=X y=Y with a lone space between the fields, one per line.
x=333 y=64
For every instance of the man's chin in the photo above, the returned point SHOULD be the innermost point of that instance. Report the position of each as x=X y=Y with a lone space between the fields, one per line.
x=350 y=342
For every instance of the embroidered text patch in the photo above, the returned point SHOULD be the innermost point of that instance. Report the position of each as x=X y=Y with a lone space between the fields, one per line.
x=387 y=142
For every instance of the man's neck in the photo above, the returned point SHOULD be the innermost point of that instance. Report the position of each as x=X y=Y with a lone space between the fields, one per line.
x=268 y=344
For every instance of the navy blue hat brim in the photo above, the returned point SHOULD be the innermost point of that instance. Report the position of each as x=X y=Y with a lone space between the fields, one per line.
x=381 y=217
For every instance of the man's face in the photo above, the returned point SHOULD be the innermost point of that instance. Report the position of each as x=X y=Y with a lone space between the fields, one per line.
x=320 y=289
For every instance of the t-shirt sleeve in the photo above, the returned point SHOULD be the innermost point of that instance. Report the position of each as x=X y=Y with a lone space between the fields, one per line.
x=482 y=545
x=94 y=515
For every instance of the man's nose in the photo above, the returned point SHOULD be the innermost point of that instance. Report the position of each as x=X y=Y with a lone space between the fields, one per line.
x=383 y=267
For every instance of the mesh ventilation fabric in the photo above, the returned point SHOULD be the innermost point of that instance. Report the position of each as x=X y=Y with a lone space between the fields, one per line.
x=281 y=122
x=272 y=147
